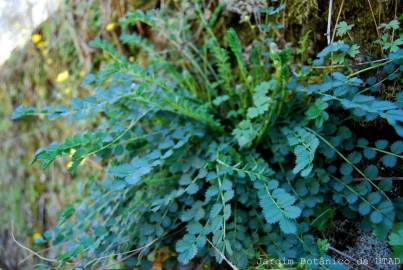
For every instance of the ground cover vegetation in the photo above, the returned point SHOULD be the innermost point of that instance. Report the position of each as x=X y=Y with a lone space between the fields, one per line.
x=221 y=144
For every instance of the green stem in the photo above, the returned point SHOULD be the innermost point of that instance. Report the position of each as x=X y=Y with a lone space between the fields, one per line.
x=349 y=162
x=368 y=68
x=380 y=150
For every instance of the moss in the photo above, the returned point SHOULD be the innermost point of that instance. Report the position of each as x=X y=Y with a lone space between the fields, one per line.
x=301 y=10
x=311 y=15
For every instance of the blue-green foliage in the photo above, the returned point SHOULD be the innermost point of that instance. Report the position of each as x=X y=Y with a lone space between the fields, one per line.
x=396 y=241
x=304 y=145
x=199 y=162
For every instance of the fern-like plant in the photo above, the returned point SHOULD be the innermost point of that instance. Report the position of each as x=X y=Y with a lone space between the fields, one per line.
x=206 y=156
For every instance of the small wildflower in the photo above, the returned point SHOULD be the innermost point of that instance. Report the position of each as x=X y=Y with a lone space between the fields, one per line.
x=110 y=26
x=72 y=151
x=40 y=45
x=67 y=91
x=36 y=38
x=131 y=59
x=246 y=18
x=83 y=161
x=41 y=91
x=45 y=52
x=62 y=76
x=69 y=164
x=36 y=236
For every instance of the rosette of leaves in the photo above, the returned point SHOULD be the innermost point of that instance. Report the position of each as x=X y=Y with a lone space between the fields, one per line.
x=214 y=158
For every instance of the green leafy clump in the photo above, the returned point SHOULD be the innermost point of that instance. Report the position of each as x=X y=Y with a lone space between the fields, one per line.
x=396 y=241
x=343 y=28
x=214 y=153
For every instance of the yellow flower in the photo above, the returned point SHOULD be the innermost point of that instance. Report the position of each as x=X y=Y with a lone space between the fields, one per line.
x=40 y=44
x=36 y=38
x=41 y=91
x=36 y=236
x=72 y=151
x=83 y=161
x=62 y=76
x=131 y=59
x=67 y=90
x=110 y=26
x=69 y=164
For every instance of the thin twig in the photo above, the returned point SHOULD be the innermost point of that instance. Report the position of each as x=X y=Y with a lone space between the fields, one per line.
x=398 y=178
x=31 y=255
x=134 y=251
x=329 y=21
x=353 y=64
x=71 y=27
x=376 y=25
x=140 y=254
x=379 y=83
x=368 y=68
x=349 y=257
x=373 y=17
x=393 y=30
x=28 y=249
x=223 y=256
x=337 y=20
x=22 y=261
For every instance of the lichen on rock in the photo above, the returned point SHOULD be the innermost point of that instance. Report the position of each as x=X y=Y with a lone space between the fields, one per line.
x=368 y=248
x=244 y=7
